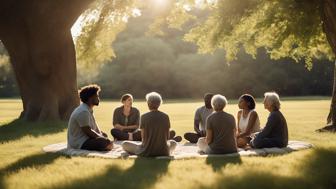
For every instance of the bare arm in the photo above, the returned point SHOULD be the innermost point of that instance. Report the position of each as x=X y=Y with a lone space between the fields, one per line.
x=89 y=132
x=209 y=136
x=118 y=126
x=196 y=126
x=197 y=120
x=251 y=122
x=131 y=127
x=238 y=118
x=142 y=134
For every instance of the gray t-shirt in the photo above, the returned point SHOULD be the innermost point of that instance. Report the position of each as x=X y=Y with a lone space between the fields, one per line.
x=80 y=117
x=201 y=115
x=156 y=131
x=223 y=127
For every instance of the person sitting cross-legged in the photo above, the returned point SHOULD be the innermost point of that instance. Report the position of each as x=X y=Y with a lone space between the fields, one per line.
x=220 y=130
x=126 y=120
x=275 y=133
x=248 y=120
x=83 y=131
x=201 y=115
x=154 y=127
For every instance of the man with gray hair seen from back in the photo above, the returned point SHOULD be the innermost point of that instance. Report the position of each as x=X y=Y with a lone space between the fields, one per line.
x=275 y=133
x=220 y=130
x=154 y=127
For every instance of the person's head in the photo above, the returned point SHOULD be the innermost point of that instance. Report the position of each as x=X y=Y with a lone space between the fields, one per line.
x=207 y=100
x=154 y=100
x=218 y=102
x=127 y=100
x=271 y=101
x=246 y=101
x=90 y=94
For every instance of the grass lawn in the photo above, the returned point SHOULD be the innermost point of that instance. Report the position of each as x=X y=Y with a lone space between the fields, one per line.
x=24 y=165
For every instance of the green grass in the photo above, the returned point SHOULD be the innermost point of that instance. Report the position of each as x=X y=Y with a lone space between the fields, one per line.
x=24 y=165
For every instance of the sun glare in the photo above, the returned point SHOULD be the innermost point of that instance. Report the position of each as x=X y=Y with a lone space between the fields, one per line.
x=159 y=4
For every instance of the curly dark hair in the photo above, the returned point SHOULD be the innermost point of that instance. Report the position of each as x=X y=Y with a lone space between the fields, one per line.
x=249 y=100
x=88 y=91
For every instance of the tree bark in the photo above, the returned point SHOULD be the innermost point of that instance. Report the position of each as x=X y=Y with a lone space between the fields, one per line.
x=37 y=37
x=328 y=15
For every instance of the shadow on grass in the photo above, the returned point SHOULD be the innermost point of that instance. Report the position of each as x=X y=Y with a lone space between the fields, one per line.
x=317 y=170
x=33 y=161
x=144 y=173
x=19 y=128
x=218 y=163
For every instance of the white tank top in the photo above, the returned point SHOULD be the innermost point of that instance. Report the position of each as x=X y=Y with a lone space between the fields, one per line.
x=243 y=122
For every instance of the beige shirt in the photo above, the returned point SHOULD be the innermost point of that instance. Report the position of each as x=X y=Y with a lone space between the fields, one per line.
x=82 y=116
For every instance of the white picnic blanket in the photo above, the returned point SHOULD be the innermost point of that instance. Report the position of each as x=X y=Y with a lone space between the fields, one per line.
x=182 y=151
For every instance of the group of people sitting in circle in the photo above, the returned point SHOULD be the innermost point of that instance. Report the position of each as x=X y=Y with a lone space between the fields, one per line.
x=215 y=131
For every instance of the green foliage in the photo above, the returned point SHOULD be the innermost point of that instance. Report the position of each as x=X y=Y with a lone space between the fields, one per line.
x=285 y=28
x=171 y=66
x=100 y=25
x=8 y=86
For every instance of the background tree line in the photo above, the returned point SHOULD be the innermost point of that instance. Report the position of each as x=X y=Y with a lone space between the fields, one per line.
x=173 y=67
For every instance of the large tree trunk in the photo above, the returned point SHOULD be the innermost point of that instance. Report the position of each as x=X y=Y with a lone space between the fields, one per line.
x=37 y=36
x=45 y=68
x=328 y=15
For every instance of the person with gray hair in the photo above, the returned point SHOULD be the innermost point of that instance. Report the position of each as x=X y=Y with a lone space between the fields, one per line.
x=220 y=130
x=275 y=133
x=155 y=135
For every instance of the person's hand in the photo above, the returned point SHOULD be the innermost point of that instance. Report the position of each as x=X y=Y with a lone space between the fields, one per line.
x=120 y=127
x=104 y=134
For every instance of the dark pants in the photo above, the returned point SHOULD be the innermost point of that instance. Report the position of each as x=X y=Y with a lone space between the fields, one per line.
x=193 y=137
x=266 y=143
x=97 y=144
x=123 y=135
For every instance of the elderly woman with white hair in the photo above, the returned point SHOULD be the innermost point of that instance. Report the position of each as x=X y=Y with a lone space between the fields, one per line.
x=154 y=127
x=220 y=130
x=275 y=133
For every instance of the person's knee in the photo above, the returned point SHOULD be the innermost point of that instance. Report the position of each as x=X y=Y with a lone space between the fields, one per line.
x=201 y=141
x=172 y=144
x=114 y=132
x=191 y=137
x=187 y=136
x=104 y=144
x=137 y=136
x=124 y=144
x=257 y=143
x=172 y=134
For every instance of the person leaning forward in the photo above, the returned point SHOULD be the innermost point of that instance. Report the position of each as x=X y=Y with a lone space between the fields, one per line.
x=83 y=131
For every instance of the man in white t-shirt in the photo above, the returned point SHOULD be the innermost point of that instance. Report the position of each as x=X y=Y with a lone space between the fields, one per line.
x=83 y=131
